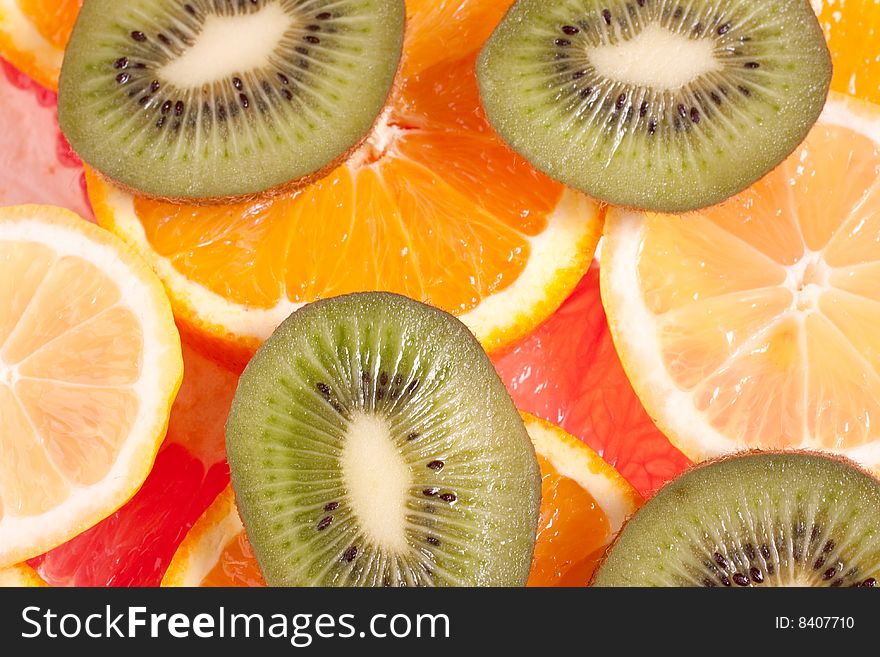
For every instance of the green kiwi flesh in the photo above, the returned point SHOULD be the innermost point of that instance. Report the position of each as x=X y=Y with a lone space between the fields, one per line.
x=371 y=443
x=214 y=100
x=655 y=104
x=763 y=519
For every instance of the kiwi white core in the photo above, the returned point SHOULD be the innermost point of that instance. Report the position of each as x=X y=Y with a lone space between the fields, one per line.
x=638 y=61
x=378 y=480
x=229 y=45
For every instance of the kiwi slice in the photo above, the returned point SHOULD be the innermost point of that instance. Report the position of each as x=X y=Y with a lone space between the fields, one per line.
x=215 y=100
x=763 y=519
x=656 y=104
x=371 y=443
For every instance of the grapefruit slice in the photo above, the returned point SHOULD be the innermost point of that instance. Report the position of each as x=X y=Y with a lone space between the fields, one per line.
x=568 y=372
x=36 y=164
x=754 y=324
x=90 y=363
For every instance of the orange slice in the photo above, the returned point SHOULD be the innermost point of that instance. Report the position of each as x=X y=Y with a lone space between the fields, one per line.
x=33 y=34
x=585 y=503
x=852 y=28
x=433 y=206
x=216 y=551
x=20 y=576
x=90 y=363
x=754 y=324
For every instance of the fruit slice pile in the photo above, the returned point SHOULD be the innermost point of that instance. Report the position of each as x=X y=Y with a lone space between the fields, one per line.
x=753 y=324
x=585 y=503
x=433 y=206
x=567 y=369
x=89 y=365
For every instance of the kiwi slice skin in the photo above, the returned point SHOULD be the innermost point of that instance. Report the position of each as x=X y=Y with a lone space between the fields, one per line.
x=760 y=519
x=642 y=142
x=463 y=467
x=208 y=130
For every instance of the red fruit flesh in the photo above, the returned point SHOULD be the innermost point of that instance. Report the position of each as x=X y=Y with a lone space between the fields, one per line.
x=36 y=163
x=568 y=372
x=134 y=546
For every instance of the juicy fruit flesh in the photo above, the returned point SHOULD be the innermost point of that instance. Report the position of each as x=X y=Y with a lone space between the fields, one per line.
x=568 y=372
x=573 y=531
x=133 y=547
x=159 y=98
x=557 y=87
x=756 y=520
x=371 y=462
x=766 y=306
x=395 y=220
x=635 y=61
x=253 y=39
x=236 y=566
x=53 y=18
x=69 y=354
x=852 y=29
x=464 y=484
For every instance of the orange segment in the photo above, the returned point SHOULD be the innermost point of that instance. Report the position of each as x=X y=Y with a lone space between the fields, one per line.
x=29 y=482
x=854 y=243
x=693 y=258
x=852 y=28
x=86 y=292
x=82 y=429
x=572 y=531
x=433 y=206
x=698 y=338
x=90 y=363
x=32 y=261
x=842 y=388
x=236 y=566
x=105 y=350
x=33 y=34
x=584 y=504
x=20 y=575
x=828 y=176
x=216 y=551
x=220 y=248
x=439 y=30
x=54 y=19
x=758 y=394
x=753 y=324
